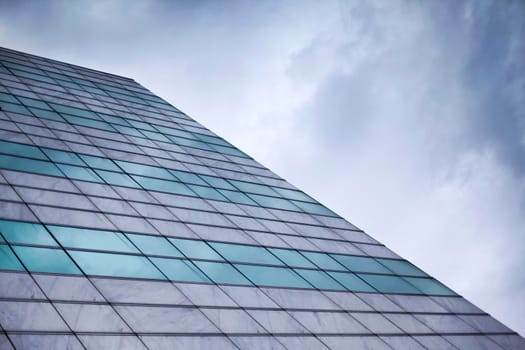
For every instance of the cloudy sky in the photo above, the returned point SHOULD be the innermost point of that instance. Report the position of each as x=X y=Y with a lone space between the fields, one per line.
x=405 y=117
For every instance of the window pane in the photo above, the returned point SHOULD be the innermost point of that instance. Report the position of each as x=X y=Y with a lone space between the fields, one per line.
x=22 y=232
x=71 y=237
x=163 y=185
x=79 y=173
x=15 y=108
x=319 y=279
x=351 y=282
x=222 y=272
x=42 y=113
x=63 y=157
x=195 y=249
x=33 y=103
x=154 y=245
x=254 y=188
x=146 y=170
x=360 y=264
x=29 y=165
x=18 y=149
x=8 y=260
x=272 y=202
x=245 y=253
x=45 y=260
x=389 y=284
x=217 y=182
x=207 y=192
x=99 y=163
x=117 y=265
x=292 y=194
x=188 y=177
x=74 y=111
x=323 y=260
x=291 y=257
x=272 y=276
x=180 y=270
x=402 y=267
x=430 y=286
x=314 y=208
x=116 y=178
x=237 y=197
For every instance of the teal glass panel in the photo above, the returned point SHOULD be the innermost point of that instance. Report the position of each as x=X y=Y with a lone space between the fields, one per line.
x=146 y=170
x=20 y=73
x=174 y=132
x=222 y=272
x=63 y=157
x=245 y=253
x=229 y=150
x=188 y=177
x=127 y=130
x=351 y=282
x=272 y=276
x=14 y=108
x=389 y=284
x=154 y=245
x=212 y=139
x=95 y=90
x=83 y=238
x=8 y=98
x=29 y=165
x=429 y=286
x=180 y=270
x=141 y=125
x=69 y=84
x=319 y=279
x=254 y=188
x=360 y=264
x=113 y=119
x=118 y=179
x=323 y=260
x=217 y=182
x=155 y=136
x=45 y=260
x=74 y=111
x=8 y=260
x=59 y=76
x=291 y=258
x=30 y=102
x=88 y=122
x=44 y=114
x=25 y=233
x=272 y=202
x=195 y=249
x=99 y=163
x=79 y=173
x=22 y=67
x=163 y=185
x=18 y=149
x=292 y=194
x=117 y=265
x=402 y=267
x=191 y=143
x=207 y=192
x=314 y=208
x=237 y=197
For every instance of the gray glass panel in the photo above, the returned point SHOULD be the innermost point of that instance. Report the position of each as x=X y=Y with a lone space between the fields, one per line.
x=91 y=318
x=72 y=288
x=233 y=321
x=29 y=316
x=45 y=341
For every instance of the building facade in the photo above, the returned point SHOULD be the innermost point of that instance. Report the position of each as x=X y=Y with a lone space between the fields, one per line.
x=125 y=224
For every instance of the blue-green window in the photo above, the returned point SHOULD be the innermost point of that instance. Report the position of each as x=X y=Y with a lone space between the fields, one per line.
x=118 y=179
x=402 y=267
x=254 y=188
x=180 y=270
x=146 y=170
x=8 y=260
x=207 y=192
x=237 y=197
x=195 y=249
x=222 y=272
x=21 y=150
x=63 y=157
x=163 y=185
x=45 y=260
x=314 y=208
x=25 y=233
x=217 y=182
x=154 y=245
x=291 y=257
x=245 y=253
x=30 y=102
x=99 y=163
x=323 y=260
x=84 y=238
x=8 y=98
x=189 y=178
x=29 y=165
x=117 y=265
x=389 y=284
x=45 y=114
x=272 y=276
x=74 y=111
x=429 y=286
x=319 y=279
x=272 y=202
x=351 y=282
x=360 y=264
x=14 y=108
x=79 y=173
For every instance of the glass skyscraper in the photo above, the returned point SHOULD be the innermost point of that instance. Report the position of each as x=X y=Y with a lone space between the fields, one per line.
x=125 y=224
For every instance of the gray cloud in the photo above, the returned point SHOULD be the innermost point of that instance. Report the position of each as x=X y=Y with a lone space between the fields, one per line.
x=405 y=117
